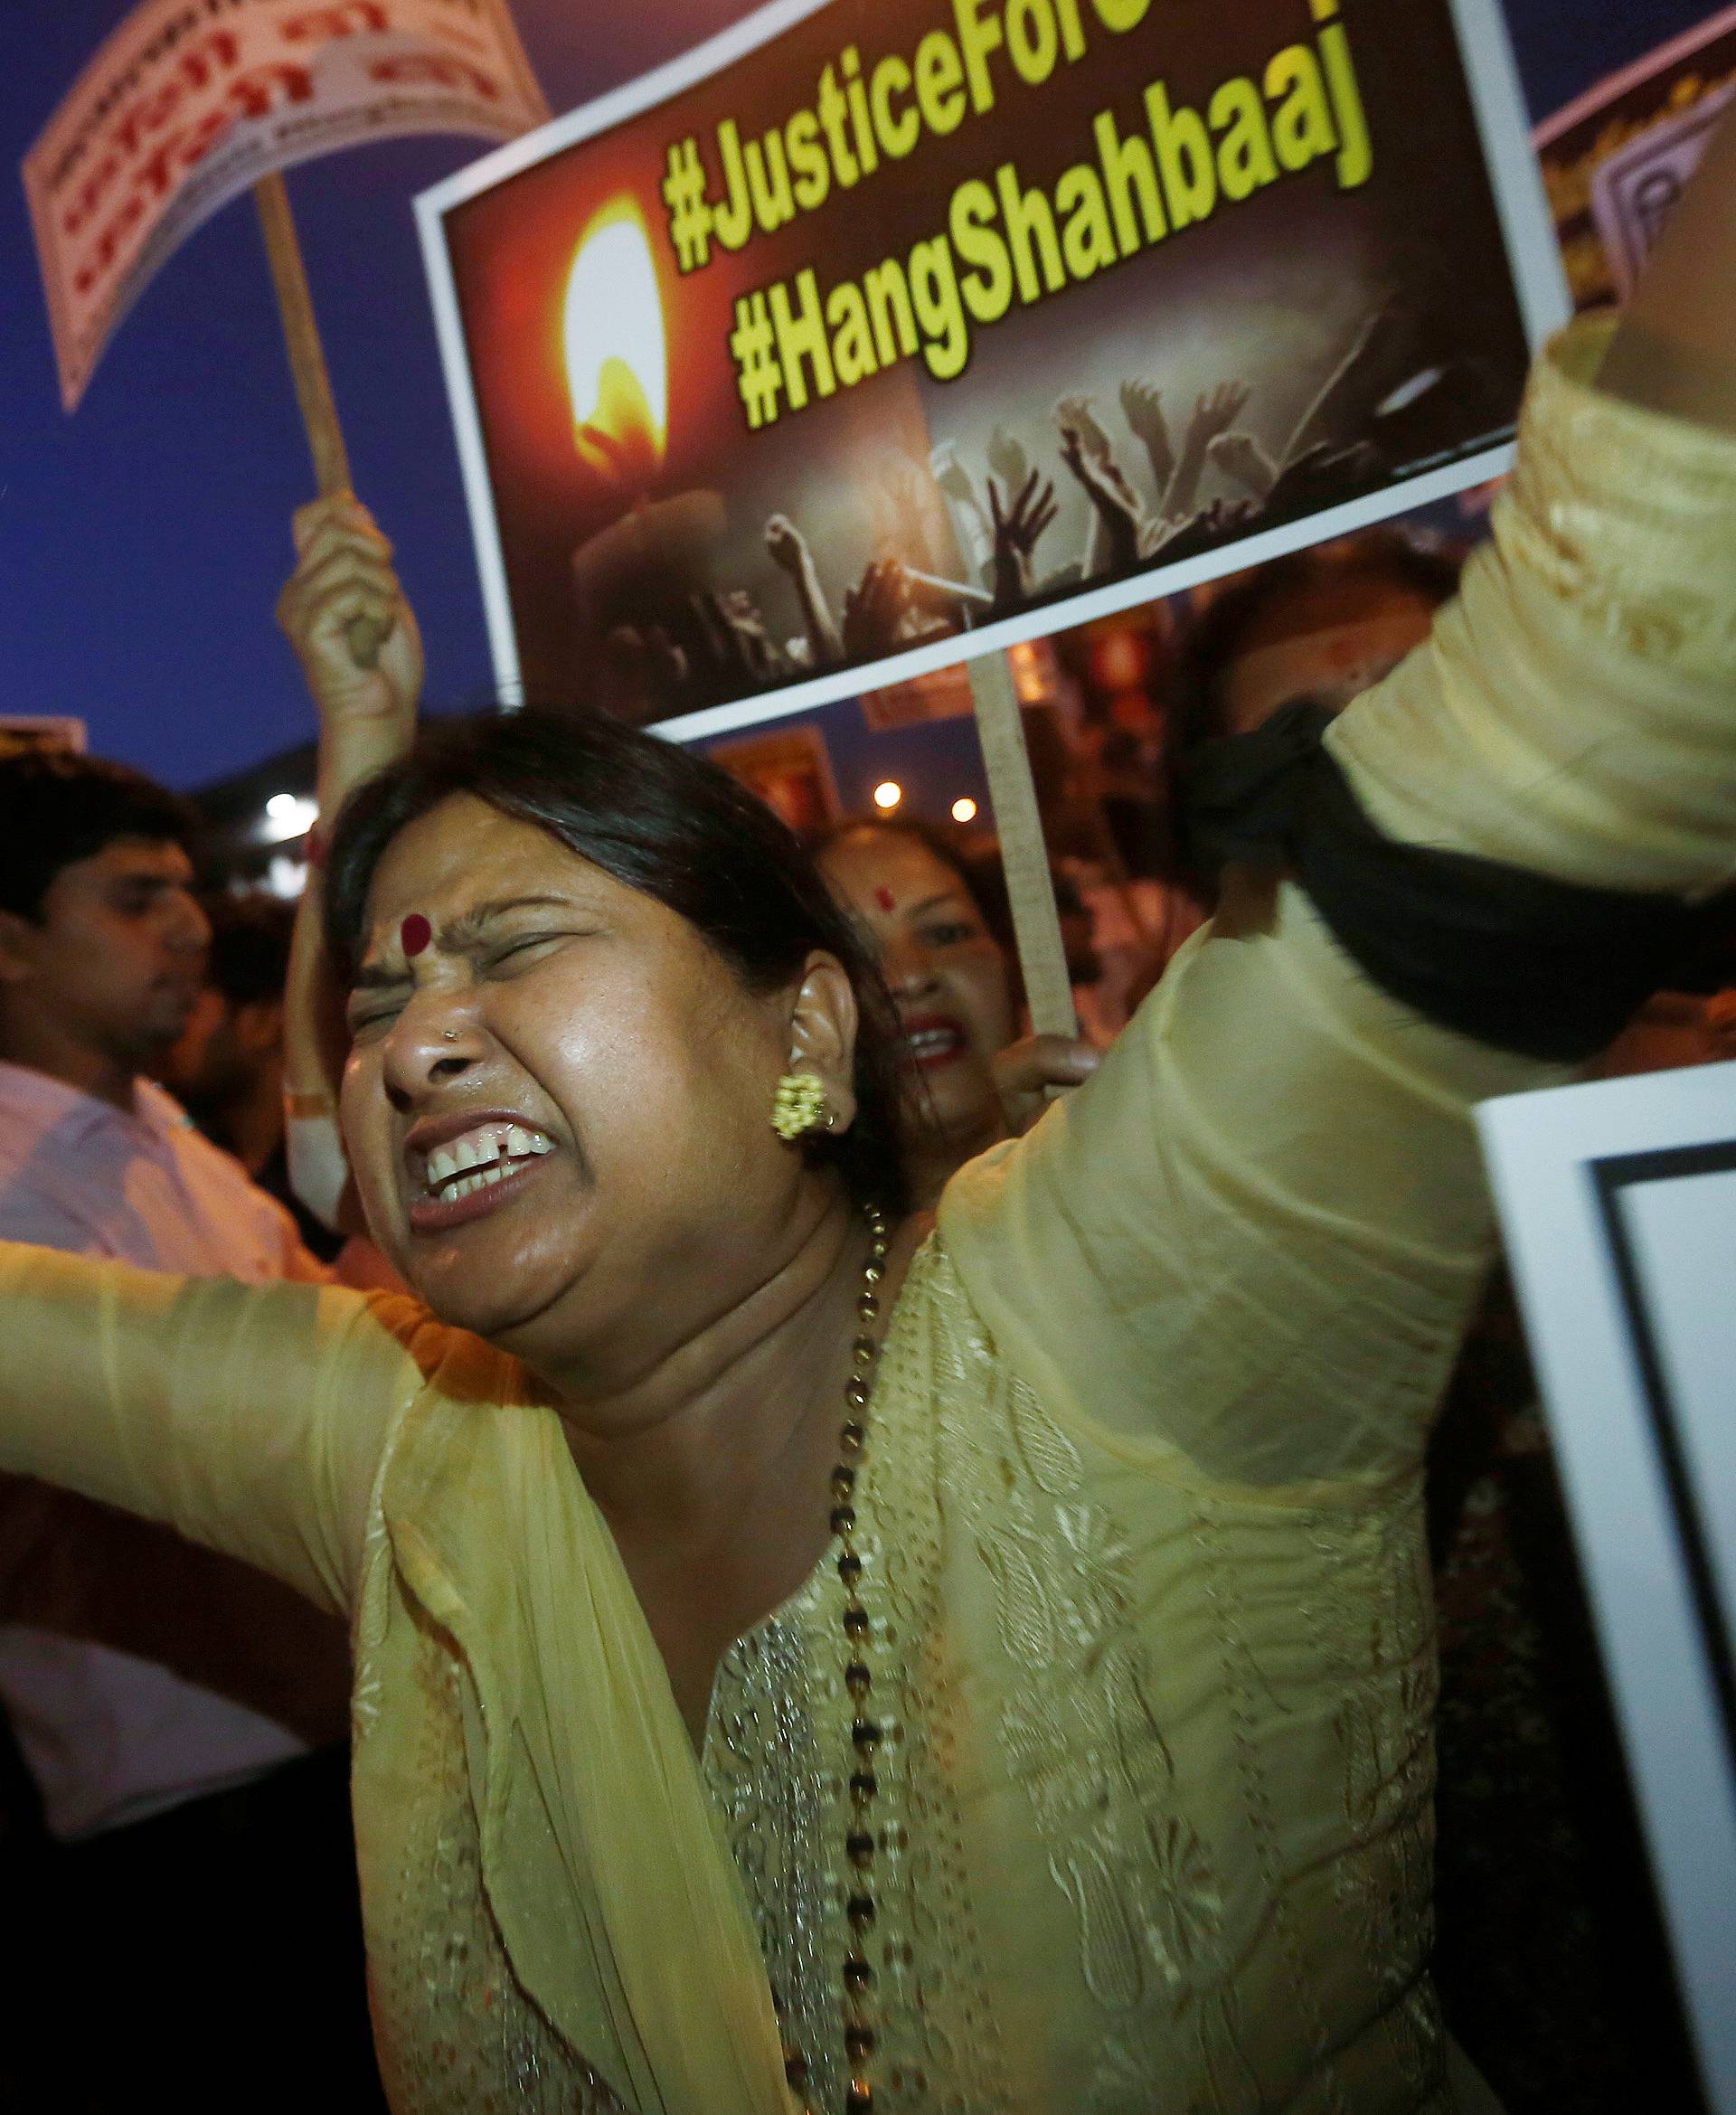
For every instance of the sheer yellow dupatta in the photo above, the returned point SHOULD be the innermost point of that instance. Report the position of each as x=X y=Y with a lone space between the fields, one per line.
x=606 y=1867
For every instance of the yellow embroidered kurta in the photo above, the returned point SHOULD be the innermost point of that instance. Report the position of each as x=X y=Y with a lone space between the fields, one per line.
x=1141 y=1514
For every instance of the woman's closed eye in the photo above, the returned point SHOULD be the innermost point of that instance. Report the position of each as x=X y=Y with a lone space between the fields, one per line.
x=949 y=932
x=372 y=1011
x=523 y=950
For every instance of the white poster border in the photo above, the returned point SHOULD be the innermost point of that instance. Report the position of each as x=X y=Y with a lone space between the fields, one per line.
x=1615 y=85
x=1549 y=1156
x=1533 y=260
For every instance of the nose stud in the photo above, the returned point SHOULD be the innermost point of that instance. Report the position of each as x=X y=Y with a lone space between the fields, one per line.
x=449 y=1035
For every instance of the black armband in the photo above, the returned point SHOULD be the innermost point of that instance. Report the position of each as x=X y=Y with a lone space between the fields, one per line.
x=1518 y=960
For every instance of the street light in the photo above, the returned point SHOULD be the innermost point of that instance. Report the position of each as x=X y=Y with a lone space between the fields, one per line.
x=888 y=793
x=286 y=815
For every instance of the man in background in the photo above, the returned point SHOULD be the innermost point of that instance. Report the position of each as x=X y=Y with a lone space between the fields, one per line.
x=227 y=1066
x=189 y=1908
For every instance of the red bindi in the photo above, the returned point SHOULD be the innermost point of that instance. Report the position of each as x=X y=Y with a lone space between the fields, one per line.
x=884 y=897
x=415 y=933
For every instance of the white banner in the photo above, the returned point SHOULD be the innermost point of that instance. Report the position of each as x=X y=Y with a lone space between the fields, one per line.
x=191 y=102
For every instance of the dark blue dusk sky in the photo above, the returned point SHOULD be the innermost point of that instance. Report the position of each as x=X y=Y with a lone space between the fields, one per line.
x=144 y=540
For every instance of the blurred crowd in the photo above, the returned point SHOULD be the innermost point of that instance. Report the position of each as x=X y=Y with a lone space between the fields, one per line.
x=1148 y=485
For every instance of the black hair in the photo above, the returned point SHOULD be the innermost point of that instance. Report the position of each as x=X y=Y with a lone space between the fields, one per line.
x=665 y=820
x=1216 y=639
x=250 y=946
x=58 y=807
x=1710 y=965
x=972 y=859
x=976 y=859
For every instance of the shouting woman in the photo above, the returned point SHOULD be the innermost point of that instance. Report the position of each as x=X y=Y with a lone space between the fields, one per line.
x=971 y=1078
x=805 y=1658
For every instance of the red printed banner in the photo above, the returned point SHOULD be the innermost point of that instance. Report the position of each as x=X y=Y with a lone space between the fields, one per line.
x=878 y=334
x=191 y=102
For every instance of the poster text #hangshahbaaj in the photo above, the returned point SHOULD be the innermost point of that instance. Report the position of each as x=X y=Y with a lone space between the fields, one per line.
x=1003 y=242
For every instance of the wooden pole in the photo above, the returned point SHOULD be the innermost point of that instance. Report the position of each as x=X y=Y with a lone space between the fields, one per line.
x=301 y=335
x=1030 y=886
x=307 y=370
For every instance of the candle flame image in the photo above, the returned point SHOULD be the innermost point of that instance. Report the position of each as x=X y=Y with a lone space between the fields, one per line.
x=618 y=356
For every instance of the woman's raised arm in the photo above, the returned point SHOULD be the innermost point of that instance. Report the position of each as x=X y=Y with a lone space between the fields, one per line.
x=1253 y=1240
x=342 y=589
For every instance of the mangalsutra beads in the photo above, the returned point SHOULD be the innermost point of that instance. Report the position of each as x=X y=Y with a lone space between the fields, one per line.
x=861 y=2036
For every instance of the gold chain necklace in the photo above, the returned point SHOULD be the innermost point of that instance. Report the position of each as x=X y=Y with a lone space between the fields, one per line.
x=860 y=2035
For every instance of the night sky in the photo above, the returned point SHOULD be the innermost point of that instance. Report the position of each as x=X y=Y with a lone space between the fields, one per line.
x=144 y=540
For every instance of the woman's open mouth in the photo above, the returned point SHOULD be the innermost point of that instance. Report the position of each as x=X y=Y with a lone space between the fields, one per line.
x=934 y=1041
x=473 y=1173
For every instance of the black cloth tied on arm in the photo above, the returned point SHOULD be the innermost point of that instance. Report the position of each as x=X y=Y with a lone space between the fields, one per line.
x=1518 y=960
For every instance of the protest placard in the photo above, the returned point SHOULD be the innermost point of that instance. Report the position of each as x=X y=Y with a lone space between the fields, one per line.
x=1635 y=191
x=189 y=103
x=865 y=339
x=1618 y=1205
x=1646 y=122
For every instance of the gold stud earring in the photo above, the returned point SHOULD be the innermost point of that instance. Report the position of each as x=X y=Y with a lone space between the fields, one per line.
x=800 y=1106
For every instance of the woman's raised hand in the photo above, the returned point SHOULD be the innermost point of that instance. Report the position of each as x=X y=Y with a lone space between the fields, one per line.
x=344 y=613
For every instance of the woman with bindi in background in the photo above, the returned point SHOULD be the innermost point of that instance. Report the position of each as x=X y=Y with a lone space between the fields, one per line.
x=973 y=1076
